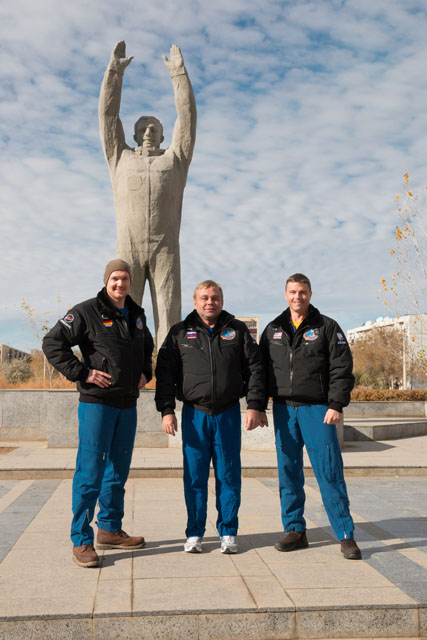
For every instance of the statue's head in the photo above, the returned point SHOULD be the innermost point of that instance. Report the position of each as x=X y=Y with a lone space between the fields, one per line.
x=148 y=132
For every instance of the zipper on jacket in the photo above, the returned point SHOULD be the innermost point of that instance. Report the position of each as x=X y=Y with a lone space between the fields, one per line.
x=126 y=327
x=291 y=366
x=212 y=369
x=291 y=353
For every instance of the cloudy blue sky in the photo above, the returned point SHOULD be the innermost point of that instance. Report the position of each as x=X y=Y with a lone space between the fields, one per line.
x=309 y=114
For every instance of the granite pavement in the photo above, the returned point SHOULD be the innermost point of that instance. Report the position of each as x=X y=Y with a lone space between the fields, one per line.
x=160 y=592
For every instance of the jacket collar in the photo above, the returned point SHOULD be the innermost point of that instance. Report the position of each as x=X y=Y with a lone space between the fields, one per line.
x=313 y=319
x=108 y=309
x=194 y=320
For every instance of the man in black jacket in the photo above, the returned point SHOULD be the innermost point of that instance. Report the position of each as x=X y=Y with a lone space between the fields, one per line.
x=209 y=361
x=309 y=376
x=116 y=348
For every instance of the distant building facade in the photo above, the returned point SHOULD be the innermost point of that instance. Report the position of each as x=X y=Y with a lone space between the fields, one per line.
x=252 y=323
x=414 y=330
x=9 y=353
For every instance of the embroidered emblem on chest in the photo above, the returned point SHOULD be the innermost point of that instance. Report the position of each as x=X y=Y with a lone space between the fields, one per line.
x=228 y=334
x=191 y=334
x=311 y=334
x=277 y=335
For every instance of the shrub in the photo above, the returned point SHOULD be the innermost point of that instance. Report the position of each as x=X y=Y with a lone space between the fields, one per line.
x=387 y=395
x=17 y=370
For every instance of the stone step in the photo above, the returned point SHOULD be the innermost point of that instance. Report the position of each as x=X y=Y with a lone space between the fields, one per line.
x=383 y=429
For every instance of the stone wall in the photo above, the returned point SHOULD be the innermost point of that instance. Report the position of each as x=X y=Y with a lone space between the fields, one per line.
x=51 y=415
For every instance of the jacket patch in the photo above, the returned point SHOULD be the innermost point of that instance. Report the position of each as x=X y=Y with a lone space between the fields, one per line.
x=191 y=334
x=228 y=334
x=67 y=320
x=107 y=323
x=341 y=339
x=311 y=334
x=277 y=335
x=139 y=324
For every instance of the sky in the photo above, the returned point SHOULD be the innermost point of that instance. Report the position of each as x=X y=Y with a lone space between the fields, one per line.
x=309 y=115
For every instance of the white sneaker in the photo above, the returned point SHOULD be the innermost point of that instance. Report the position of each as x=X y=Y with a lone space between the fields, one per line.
x=193 y=545
x=228 y=544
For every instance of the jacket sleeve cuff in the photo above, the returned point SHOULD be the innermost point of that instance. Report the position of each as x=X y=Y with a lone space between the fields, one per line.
x=257 y=406
x=148 y=374
x=336 y=406
x=167 y=411
x=82 y=375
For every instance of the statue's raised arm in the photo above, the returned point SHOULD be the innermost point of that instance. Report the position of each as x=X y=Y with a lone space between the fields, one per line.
x=184 y=133
x=111 y=129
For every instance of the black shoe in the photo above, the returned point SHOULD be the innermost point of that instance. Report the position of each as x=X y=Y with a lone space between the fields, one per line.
x=350 y=549
x=292 y=540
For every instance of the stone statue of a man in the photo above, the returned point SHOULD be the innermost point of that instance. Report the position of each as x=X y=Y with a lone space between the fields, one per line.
x=148 y=184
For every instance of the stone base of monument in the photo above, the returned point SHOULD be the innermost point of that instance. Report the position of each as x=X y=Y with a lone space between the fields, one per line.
x=259 y=439
x=51 y=415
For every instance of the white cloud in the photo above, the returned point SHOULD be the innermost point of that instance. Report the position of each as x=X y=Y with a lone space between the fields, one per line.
x=308 y=115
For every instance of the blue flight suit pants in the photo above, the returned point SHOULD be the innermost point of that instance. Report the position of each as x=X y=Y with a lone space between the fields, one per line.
x=216 y=438
x=298 y=426
x=106 y=439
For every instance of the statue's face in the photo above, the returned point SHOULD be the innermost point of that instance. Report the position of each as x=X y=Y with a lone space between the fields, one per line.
x=149 y=134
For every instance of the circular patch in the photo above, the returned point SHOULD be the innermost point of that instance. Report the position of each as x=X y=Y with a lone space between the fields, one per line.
x=311 y=334
x=228 y=334
x=134 y=182
x=139 y=324
x=69 y=317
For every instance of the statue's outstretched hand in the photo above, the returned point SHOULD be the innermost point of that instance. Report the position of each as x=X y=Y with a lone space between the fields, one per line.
x=118 y=56
x=176 y=61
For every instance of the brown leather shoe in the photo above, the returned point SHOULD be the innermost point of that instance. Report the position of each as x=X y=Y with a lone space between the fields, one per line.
x=86 y=556
x=350 y=549
x=118 y=540
x=292 y=540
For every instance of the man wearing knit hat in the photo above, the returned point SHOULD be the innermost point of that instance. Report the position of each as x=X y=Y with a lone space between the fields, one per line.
x=116 y=346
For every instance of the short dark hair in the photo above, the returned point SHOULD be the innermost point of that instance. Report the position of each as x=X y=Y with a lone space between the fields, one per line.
x=299 y=277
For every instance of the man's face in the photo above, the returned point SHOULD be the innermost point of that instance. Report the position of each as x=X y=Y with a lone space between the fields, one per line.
x=208 y=304
x=118 y=287
x=298 y=296
x=148 y=134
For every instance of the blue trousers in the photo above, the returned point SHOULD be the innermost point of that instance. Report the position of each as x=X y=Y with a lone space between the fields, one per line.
x=106 y=438
x=216 y=438
x=298 y=426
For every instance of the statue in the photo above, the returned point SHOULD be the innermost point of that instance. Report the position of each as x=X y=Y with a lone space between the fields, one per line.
x=148 y=184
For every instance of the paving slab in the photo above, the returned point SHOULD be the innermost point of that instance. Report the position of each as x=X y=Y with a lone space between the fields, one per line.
x=161 y=592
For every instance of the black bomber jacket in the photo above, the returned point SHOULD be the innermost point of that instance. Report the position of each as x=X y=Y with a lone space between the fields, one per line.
x=106 y=343
x=209 y=371
x=311 y=366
